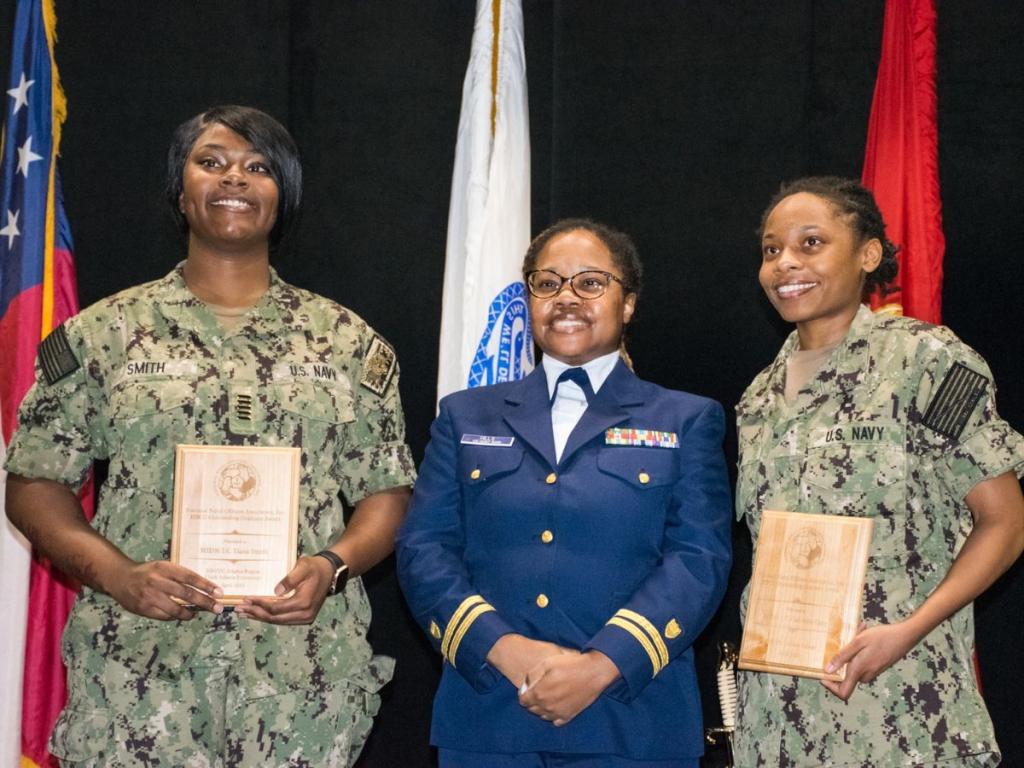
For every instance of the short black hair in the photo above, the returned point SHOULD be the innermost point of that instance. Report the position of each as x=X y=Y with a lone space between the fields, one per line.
x=619 y=244
x=855 y=202
x=266 y=135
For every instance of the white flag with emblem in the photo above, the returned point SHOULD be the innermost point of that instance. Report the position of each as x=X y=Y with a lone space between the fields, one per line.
x=485 y=332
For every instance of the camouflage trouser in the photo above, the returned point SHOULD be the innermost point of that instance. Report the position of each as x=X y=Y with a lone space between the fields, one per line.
x=206 y=718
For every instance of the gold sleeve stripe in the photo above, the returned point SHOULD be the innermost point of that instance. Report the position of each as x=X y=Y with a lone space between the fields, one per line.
x=472 y=616
x=641 y=638
x=650 y=629
x=453 y=623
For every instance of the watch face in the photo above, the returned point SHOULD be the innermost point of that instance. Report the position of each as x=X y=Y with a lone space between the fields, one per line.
x=340 y=578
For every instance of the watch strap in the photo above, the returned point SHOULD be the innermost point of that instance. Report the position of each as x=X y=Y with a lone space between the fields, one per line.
x=340 y=577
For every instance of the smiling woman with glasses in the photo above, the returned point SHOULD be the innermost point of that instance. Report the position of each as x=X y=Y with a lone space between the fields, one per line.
x=568 y=537
x=589 y=284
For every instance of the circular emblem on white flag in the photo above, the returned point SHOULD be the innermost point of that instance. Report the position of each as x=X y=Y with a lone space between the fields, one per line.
x=505 y=352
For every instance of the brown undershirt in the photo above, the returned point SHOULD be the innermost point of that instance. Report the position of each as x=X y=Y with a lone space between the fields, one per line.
x=802 y=365
x=229 y=317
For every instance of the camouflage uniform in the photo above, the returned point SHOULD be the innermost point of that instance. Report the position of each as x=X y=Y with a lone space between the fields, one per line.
x=152 y=368
x=899 y=425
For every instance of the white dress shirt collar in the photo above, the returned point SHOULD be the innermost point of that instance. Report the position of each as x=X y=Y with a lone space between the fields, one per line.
x=569 y=406
x=597 y=369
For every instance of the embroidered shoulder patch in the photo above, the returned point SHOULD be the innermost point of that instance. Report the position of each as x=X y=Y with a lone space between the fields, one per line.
x=55 y=356
x=379 y=367
x=953 y=404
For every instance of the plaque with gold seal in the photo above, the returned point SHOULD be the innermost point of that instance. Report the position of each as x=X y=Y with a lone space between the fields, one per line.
x=805 y=592
x=236 y=516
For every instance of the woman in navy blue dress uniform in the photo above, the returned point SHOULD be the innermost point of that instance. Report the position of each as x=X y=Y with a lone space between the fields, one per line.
x=568 y=537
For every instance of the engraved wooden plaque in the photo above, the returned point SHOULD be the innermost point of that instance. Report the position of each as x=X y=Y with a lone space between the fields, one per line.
x=805 y=592
x=236 y=516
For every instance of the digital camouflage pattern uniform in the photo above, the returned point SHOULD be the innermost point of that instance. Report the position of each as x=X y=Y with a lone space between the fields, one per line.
x=153 y=368
x=899 y=425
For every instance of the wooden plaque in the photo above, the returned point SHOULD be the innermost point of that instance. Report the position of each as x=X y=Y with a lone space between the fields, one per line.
x=805 y=592
x=236 y=516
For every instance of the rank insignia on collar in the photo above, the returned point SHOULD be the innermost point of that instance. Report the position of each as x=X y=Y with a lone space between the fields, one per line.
x=55 y=356
x=643 y=438
x=379 y=367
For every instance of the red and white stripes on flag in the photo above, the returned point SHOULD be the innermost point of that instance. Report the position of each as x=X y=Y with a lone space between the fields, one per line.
x=901 y=160
x=485 y=331
x=37 y=293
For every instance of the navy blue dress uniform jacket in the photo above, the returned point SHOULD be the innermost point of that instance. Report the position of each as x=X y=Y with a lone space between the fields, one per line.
x=624 y=548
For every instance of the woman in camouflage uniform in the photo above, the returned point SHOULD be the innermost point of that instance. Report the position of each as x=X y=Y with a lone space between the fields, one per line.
x=894 y=419
x=220 y=352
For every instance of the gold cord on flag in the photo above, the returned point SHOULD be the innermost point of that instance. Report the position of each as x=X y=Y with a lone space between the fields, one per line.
x=495 y=41
x=58 y=111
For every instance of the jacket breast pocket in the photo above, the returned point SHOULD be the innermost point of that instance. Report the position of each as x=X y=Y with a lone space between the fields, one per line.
x=148 y=414
x=315 y=416
x=492 y=493
x=316 y=402
x=481 y=465
x=632 y=494
x=861 y=479
x=643 y=469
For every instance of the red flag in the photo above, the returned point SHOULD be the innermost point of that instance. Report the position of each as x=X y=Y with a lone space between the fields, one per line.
x=37 y=293
x=901 y=160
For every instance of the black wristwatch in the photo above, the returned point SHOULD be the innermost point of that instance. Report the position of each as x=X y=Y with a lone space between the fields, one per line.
x=340 y=578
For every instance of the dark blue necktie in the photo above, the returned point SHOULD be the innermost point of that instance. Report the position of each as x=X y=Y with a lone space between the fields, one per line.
x=580 y=378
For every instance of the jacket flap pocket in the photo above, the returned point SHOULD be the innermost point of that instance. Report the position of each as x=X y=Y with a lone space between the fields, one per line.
x=480 y=463
x=131 y=398
x=641 y=467
x=317 y=402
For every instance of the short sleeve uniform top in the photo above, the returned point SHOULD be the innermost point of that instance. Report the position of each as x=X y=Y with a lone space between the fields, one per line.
x=150 y=367
x=898 y=425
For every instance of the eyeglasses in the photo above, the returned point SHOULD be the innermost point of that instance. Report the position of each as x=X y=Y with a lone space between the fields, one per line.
x=591 y=284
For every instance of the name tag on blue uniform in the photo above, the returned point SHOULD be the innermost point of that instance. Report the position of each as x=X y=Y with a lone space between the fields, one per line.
x=495 y=441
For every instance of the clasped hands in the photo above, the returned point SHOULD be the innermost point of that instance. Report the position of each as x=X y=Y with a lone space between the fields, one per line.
x=150 y=588
x=554 y=683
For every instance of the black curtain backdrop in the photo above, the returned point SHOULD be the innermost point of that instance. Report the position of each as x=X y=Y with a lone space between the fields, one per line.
x=674 y=121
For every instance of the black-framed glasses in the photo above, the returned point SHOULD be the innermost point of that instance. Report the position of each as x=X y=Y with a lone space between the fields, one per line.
x=589 y=284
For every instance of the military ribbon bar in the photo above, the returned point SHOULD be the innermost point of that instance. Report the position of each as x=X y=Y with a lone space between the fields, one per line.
x=645 y=438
